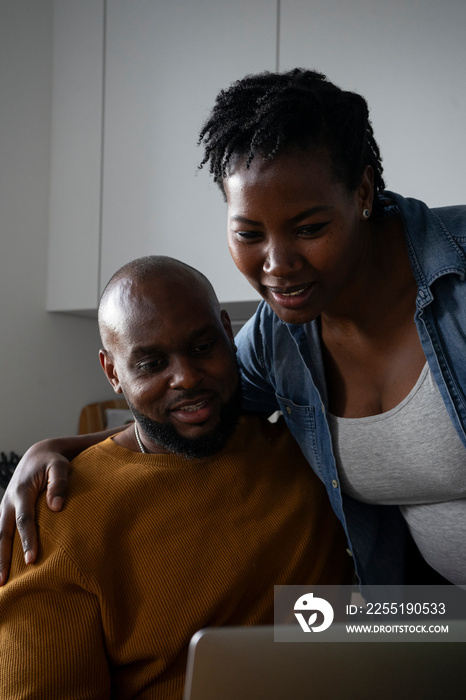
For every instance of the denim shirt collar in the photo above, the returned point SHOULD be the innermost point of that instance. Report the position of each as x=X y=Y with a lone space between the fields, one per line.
x=432 y=248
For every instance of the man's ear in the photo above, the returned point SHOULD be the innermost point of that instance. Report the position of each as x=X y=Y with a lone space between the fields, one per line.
x=228 y=327
x=110 y=371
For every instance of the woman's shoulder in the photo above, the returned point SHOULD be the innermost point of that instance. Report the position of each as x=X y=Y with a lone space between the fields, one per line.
x=452 y=216
x=454 y=219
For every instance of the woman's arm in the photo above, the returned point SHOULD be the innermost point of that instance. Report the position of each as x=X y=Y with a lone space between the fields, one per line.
x=45 y=465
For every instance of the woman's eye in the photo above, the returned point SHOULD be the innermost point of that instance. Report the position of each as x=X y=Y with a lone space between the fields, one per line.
x=312 y=229
x=248 y=235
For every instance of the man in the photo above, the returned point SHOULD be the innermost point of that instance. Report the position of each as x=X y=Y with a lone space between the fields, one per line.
x=186 y=519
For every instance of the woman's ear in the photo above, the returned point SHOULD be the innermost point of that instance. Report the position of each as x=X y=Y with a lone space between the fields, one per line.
x=110 y=371
x=366 y=189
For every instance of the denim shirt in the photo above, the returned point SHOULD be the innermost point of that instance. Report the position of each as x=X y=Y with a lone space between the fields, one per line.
x=282 y=369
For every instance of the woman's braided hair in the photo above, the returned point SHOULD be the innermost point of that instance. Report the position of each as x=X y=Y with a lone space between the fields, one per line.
x=270 y=112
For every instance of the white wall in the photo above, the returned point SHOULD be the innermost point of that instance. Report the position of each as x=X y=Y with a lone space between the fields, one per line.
x=48 y=363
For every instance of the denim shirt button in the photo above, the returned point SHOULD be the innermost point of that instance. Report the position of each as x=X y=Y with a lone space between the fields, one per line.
x=288 y=410
x=348 y=551
x=334 y=483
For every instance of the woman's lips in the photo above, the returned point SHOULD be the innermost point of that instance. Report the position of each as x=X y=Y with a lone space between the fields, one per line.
x=293 y=297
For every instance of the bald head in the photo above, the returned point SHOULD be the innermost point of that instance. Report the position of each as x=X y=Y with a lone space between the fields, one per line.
x=145 y=288
x=169 y=349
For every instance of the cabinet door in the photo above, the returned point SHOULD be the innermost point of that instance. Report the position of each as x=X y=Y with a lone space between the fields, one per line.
x=76 y=153
x=407 y=58
x=165 y=63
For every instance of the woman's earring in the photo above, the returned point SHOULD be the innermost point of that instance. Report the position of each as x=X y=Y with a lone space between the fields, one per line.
x=366 y=213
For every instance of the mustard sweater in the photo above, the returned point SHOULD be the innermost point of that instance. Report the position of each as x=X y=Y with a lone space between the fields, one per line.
x=151 y=548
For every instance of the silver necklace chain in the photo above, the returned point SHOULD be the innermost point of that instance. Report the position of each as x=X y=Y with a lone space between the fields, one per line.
x=136 y=432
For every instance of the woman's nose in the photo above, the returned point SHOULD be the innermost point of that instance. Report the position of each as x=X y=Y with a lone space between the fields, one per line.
x=280 y=260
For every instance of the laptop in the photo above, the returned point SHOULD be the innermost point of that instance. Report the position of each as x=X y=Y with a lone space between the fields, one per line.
x=244 y=663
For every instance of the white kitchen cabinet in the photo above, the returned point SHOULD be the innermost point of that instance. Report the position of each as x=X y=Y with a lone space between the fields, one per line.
x=76 y=156
x=134 y=81
x=407 y=57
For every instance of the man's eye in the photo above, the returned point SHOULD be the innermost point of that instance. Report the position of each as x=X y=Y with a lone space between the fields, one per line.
x=204 y=348
x=151 y=366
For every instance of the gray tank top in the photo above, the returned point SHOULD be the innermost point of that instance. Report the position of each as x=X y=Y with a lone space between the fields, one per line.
x=413 y=457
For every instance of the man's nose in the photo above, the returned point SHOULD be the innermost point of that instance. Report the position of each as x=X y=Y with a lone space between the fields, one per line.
x=185 y=373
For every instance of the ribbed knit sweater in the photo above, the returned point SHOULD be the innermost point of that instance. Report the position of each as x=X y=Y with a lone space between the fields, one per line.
x=150 y=548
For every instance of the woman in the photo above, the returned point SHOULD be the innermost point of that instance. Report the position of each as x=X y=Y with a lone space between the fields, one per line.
x=359 y=338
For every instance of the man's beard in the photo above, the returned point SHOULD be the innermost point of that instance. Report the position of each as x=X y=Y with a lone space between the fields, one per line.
x=204 y=446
